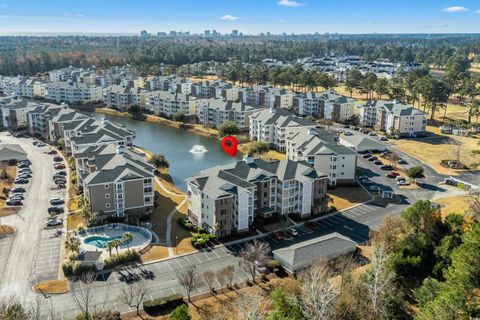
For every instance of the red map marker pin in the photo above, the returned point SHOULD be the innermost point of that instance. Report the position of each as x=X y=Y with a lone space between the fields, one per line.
x=229 y=145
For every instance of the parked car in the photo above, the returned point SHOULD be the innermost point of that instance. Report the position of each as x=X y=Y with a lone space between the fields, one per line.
x=16 y=196
x=61 y=173
x=57 y=159
x=403 y=183
x=382 y=139
x=52 y=152
x=25 y=170
x=386 y=167
x=373 y=158
x=56 y=201
x=56 y=222
x=35 y=142
x=277 y=236
x=59 y=166
x=10 y=202
x=59 y=182
x=58 y=177
x=24 y=175
x=365 y=181
x=401 y=161
x=293 y=231
x=348 y=133
x=392 y=174
x=363 y=177
x=22 y=165
x=367 y=155
x=18 y=190
x=20 y=181
x=356 y=128
x=372 y=134
x=378 y=162
x=55 y=209
x=41 y=144
x=346 y=126
x=398 y=178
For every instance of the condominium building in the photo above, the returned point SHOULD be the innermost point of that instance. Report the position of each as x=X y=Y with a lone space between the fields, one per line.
x=393 y=117
x=170 y=83
x=123 y=96
x=72 y=92
x=320 y=149
x=270 y=125
x=116 y=181
x=15 y=111
x=167 y=103
x=328 y=105
x=23 y=87
x=227 y=199
x=39 y=119
x=266 y=96
x=214 y=112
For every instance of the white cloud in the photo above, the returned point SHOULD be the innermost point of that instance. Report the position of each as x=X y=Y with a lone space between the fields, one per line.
x=455 y=9
x=229 y=17
x=290 y=3
x=478 y=11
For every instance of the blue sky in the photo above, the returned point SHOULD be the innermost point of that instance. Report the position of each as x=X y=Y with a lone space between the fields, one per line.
x=248 y=16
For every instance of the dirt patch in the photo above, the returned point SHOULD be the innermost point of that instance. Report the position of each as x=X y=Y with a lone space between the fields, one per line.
x=153 y=252
x=5 y=229
x=4 y=212
x=345 y=197
x=455 y=204
x=74 y=221
x=52 y=287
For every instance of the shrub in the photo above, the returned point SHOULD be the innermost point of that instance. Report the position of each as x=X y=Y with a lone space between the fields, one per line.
x=201 y=239
x=74 y=268
x=186 y=223
x=180 y=313
x=122 y=258
x=273 y=264
x=227 y=128
x=162 y=304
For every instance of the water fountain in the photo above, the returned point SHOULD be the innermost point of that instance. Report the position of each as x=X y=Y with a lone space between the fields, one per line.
x=198 y=148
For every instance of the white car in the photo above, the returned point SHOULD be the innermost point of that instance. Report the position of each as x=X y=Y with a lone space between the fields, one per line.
x=54 y=222
x=293 y=231
x=403 y=183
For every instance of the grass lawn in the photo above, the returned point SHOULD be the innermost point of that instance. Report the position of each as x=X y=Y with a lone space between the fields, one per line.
x=435 y=147
x=269 y=156
x=454 y=204
x=154 y=252
x=74 y=221
x=11 y=174
x=181 y=237
x=5 y=229
x=344 y=197
x=52 y=287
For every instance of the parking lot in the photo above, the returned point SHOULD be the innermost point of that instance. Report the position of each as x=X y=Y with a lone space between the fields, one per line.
x=33 y=252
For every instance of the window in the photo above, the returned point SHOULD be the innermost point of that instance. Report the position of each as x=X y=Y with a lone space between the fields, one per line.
x=107 y=195
x=107 y=186
x=107 y=205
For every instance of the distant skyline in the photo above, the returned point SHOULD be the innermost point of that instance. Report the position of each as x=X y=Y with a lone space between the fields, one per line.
x=247 y=16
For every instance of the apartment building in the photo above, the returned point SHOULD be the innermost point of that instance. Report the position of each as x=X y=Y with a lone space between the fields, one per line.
x=393 y=117
x=227 y=199
x=23 y=87
x=64 y=123
x=15 y=111
x=328 y=105
x=116 y=181
x=319 y=148
x=123 y=96
x=39 y=119
x=167 y=103
x=93 y=133
x=227 y=91
x=72 y=92
x=170 y=83
x=270 y=126
x=204 y=89
x=266 y=96
x=214 y=112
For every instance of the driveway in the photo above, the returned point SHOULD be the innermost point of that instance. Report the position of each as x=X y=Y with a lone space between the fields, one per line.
x=32 y=254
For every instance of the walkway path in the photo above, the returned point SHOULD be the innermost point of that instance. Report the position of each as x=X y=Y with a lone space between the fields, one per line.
x=170 y=215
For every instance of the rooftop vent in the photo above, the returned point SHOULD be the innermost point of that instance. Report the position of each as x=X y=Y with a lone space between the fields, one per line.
x=120 y=149
x=248 y=159
x=272 y=110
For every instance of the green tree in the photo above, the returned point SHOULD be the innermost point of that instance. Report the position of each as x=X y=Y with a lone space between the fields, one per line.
x=159 y=161
x=381 y=87
x=415 y=172
x=180 y=313
x=127 y=238
x=283 y=306
x=367 y=84
x=258 y=148
x=15 y=312
x=179 y=116
x=227 y=128
x=60 y=143
x=110 y=245
x=353 y=80
x=135 y=110
x=72 y=244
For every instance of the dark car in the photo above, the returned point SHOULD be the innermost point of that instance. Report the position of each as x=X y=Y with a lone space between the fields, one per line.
x=59 y=166
x=61 y=173
x=13 y=202
x=56 y=201
x=58 y=177
x=55 y=209
x=378 y=162
x=346 y=126
x=58 y=159
x=277 y=236
x=372 y=158
x=24 y=175
x=356 y=128
x=18 y=190
x=386 y=167
x=20 y=181
x=392 y=174
x=366 y=156
x=22 y=165
x=52 y=152
x=16 y=196
x=401 y=161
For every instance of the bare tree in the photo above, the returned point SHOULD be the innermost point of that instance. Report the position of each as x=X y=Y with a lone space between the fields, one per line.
x=455 y=149
x=253 y=253
x=188 y=278
x=209 y=277
x=344 y=265
x=221 y=278
x=251 y=305
x=318 y=296
x=388 y=233
x=378 y=283
x=83 y=293
x=229 y=273
x=474 y=205
x=134 y=294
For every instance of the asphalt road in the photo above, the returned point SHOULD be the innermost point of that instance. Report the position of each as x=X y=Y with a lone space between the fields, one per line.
x=33 y=252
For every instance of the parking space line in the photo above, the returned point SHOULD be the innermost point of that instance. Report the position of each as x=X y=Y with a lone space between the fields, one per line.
x=326 y=222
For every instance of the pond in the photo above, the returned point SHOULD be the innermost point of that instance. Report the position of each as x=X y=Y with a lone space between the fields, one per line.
x=185 y=151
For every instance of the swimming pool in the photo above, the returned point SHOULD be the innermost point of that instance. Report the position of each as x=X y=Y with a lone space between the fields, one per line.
x=101 y=242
